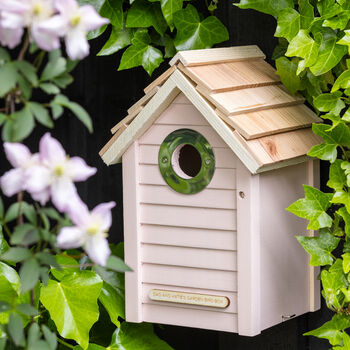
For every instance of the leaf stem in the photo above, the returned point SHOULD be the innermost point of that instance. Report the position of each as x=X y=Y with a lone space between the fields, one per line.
x=7 y=230
x=24 y=48
x=20 y=215
x=39 y=60
x=65 y=343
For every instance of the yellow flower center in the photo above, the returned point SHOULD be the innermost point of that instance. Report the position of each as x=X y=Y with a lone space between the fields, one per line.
x=59 y=170
x=37 y=9
x=93 y=230
x=75 y=20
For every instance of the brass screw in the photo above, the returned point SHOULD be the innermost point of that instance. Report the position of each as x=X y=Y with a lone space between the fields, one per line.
x=164 y=160
x=242 y=194
x=207 y=161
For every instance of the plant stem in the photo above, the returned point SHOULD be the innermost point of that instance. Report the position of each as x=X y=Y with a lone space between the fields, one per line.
x=65 y=343
x=7 y=230
x=39 y=60
x=20 y=215
x=24 y=49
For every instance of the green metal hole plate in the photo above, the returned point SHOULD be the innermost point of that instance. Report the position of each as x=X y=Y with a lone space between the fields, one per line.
x=170 y=144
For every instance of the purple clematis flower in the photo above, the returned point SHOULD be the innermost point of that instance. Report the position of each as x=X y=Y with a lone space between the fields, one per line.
x=22 y=160
x=90 y=230
x=55 y=174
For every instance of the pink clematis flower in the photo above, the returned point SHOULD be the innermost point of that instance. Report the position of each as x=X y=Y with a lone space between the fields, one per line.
x=17 y=15
x=55 y=174
x=90 y=230
x=22 y=160
x=77 y=22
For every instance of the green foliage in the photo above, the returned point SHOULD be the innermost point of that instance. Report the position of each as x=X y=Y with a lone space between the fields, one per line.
x=312 y=58
x=154 y=30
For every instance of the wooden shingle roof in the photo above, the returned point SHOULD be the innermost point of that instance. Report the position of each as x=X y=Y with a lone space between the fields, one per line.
x=240 y=96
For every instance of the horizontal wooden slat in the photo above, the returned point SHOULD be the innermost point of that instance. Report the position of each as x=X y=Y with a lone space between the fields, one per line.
x=127 y=120
x=144 y=100
x=106 y=147
x=224 y=157
x=222 y=179
x=280 y=147
x=272 y=121
x=225 y=260
x=190 y=318
x=232 y=308
x=222 y=54
x=253 y=99
x=219 y=219
x=189 y=277
x=160 y=80
x=197 y=238
x=157 y=133
x=181 y=114
x=232 y=75
x=210 y=198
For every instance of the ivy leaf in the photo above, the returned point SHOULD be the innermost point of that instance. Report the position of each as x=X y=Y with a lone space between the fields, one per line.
x=346 y=262
x=64 y=259
x=330 y=53
x=306 y=13
x=328 y=8
x=113 y=301
x=345 y=40
x=313 y=207
x=333 y=281
x=118 y=39
x=144 y=14
x=271 y=7
x=329 y=102
x=169 y=7
x=332 y=330
x=141 y=53
x=302 y=45
x=337 y=178
x=342 y=197
x=133 y=336
x=8 y=78
x=113 y=10
x=288 y=24
x=72 y=304
x=343 y=81
x=338 y=22
x=320 y=248
x=192 y=33
x=346 y=167
x=340 y=135
x=324 y=151
x=346 y=217
x=287 y=69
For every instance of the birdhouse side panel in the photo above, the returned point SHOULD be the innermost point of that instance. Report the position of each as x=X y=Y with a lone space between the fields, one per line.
x=187 y=241
x=288 y=286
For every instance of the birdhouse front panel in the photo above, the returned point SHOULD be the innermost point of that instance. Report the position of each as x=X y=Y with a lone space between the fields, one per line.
x=187 y=240
x=212 y=155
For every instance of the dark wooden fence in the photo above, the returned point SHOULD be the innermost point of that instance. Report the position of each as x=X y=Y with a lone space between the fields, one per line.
x=107 y=94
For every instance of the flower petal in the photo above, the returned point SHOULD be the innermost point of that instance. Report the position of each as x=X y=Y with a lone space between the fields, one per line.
x=17 y=154
x=78 y=212
x=103 y=212
x=63 y=192
x=12 y=182
x=45 y=40
x=42 y=197
x=97 y=248
x=10 y=37
x=51 y=150
x=79 y=170
x=70 y=237
x=37 y=179
x=66 y=7
x=76 y=44
x=91 y=19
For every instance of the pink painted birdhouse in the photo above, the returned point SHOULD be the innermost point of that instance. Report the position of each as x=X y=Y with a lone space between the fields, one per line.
x=212 y=155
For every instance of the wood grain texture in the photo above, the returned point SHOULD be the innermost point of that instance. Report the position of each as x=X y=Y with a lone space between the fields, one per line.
x=232 y=75
x=143 y=101
x=272 y=121
x=191 y=318
x=132 y=232
x=232 y=296
x=252 y=99
x=209 y=198
x=160 y=80
x=224 y=157
x=281 y=147
x=212 y=259
x=222 y=179
x=211 y=56
x=190 y=237
x=189 y=277
x=181 y=99
x=127 y=120
x=188 y=217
